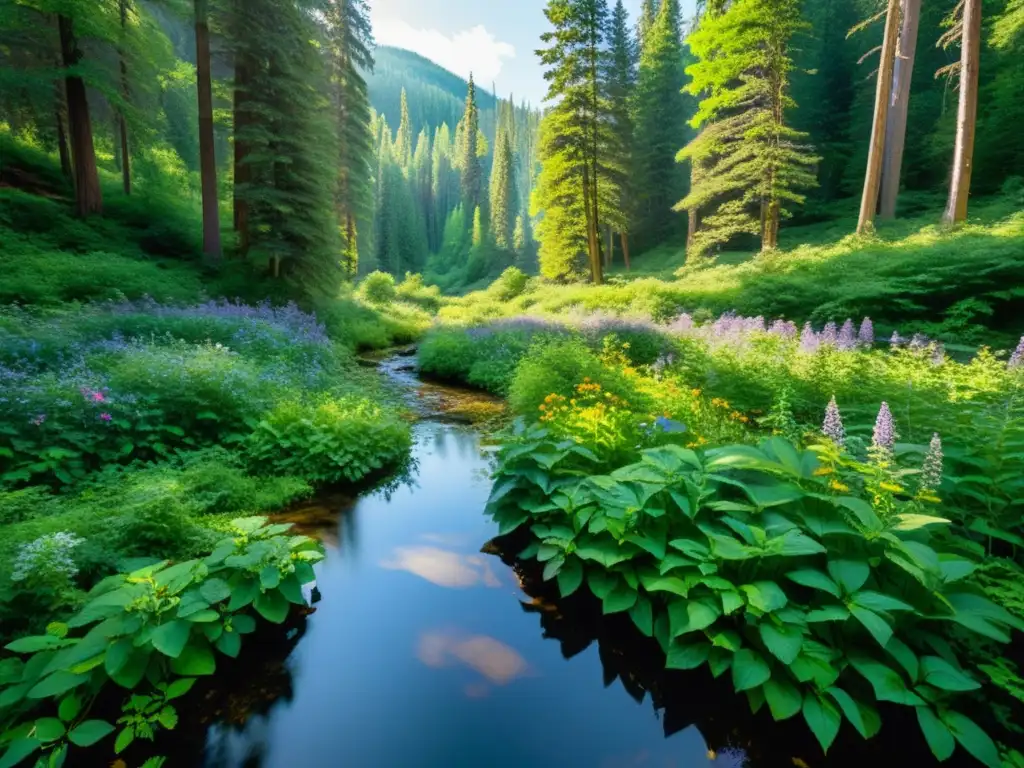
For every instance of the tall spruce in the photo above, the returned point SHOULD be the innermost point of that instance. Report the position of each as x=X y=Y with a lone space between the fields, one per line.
x=207 y=157
x=577 y=171
x=753 y=163
x=619 y=76
x=503 y=192
x=660 y=129
x=403 y=139
x=468 y=148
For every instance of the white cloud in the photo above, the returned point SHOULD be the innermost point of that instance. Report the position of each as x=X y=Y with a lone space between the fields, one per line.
x=470 y=50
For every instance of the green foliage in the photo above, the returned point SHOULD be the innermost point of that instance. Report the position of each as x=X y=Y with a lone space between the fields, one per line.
x=822 y=601
x=378 y=288
x=511 y=283
x=328 y=441
x=151 y=632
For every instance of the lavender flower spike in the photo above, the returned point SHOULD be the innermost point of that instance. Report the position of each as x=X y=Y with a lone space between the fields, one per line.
x=931 y=470
x=847 y=338
x=1017 y=358
x=829 y=334
x=809 y=341
x=832 y=428
x=885 y=429
x=866 y=336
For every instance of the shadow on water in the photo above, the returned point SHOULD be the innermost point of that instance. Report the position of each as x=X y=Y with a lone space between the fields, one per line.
x=425 y=651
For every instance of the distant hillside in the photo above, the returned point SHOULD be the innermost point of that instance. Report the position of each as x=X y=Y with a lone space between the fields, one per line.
x=435 y=95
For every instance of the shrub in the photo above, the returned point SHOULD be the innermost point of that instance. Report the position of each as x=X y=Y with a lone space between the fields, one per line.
x=329 y=440
x=378 y=288
x=510 y=284
x=447 y=355
x=413 y=290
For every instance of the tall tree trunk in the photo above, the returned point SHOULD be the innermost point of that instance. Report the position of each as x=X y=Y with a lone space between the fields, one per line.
x=595 y=265
x=963 y=154
x=770 y=238
x=625 y=248
x=62 y=136
x=126 y=161
x=595 y=116
x=692 y=215
x=242 y=171
x=899 y=103
x=88 y=196
x=873 y=175
x=609 y=252
x=207 y=158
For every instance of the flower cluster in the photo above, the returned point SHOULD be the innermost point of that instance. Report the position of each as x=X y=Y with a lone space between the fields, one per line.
x=47 y=556
x=884 y=437
x=1017 y=358
x=832 y=427
x=931 y=469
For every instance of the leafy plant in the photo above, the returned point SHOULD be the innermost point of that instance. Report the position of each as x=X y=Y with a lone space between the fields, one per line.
x=817 y=599
x=146 y=636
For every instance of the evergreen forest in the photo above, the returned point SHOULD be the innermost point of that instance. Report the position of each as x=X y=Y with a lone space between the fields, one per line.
x=328 y=376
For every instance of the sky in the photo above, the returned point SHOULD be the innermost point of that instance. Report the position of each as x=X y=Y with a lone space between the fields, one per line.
x=493 y=39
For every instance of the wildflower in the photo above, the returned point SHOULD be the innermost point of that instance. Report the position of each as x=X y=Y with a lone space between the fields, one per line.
x=809 y=341
x=832 y=427
x=866 y=335
x=829 y=334
x=47 y=554
x=918 y=342
x=105 y=417
x=835 y=485
x=931 y=469
x=891 y=487
x=847 y=338
x=885 y=430
x=896 y=340
x=1017 y=358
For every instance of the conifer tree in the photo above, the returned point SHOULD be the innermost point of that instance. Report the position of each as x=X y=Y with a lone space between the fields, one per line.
x=648 y=13
x=752 y=162
x=207 y=158
x=503 y=193
x=619 y=81
x=578 y=171
x=660 y=129
x=969 y=26
x=403 y=139
x=445 y=181
x=468 y=147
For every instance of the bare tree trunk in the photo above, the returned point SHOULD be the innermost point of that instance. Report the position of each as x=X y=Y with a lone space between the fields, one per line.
x=963 y=154
x=596 y=221
x=873 y=176
x=242 y=170
x=126 y=161
x=207 y=158
x=625 y=248
x=88 y=195
x=899 y=103
x=770 y=239
x=62 y=136
x=592 y=256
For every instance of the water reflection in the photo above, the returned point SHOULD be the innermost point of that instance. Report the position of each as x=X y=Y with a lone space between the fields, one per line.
x=492 y=658
x=443 y=567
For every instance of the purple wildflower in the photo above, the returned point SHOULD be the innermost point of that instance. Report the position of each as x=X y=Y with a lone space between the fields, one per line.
x=1017 y=358
x=785 y=329
x=918 y=342
x=866 y=336
x=931 y=470
x=829 y=334
x=847 y=337
x=832 y=427
x=105 y=416
x=896 y=340
x=885 y=430
x=682 y=324
x=809 y=341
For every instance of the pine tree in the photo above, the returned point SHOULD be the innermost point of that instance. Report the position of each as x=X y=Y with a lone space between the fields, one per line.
x=403 y=139
x=349 y=42
x=445 y=180
x=88 y=196
x=422 y=177
x=207 y=158
x=660 y=129
x=899 y=107
x=648 y=13
x=752 y=162
x=468 y=148
x=503 y=193
x=619 y=82
x=969 y=25
x=577 y=170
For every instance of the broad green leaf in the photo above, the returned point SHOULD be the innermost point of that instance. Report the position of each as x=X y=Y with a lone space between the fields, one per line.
x=196 y=660
x=570 y=576
x=552 y=567
x=828 y=613
x=861 y=716
x=809 y=577
x=943 y=675
x=796 y=544
x=291 y=588
x=784 y=642
x=179 y=687
x=656 y=546
x=939 y=737
x=547 y=552
x=604 y=550
x=170 y=638
x=229 y=643
x=731 y=601
x=766 y=596
x=131 y=672
x=906 y=657
x=863 y=511
x=622 y=598
x=728 y=548
x=972 y=738
x=784 y=698
x=873 y=623
x=851 y=575
x=910 y=522
x=876 y=601
x=272 y=606
x=58 y=683
x=37 y=643
x=124 y=740
x=823 y=718
x=672 y=584
x=18 y=750
x=243 y=593
x=214 y=590
x=886 y=682
x=725 y=638
x=601 y=582
x=69 y=708
x=642 y=615
x=688 y=655
x=772 y=494
x=243 y=623
x=720 y=660
x=749 y=670
x=48 y=729
x=90 y=732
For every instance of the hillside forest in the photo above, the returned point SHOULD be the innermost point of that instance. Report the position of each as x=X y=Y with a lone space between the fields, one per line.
x=317 y=356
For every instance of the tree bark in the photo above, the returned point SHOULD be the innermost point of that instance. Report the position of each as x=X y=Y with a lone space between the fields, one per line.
x=242 y=171
x=899 y=103
x=88 y=196
x=609 y=253
x=207 y=158
x=963 y=154
x=770 y=237
x=62 y=136
x=126 y=161
x=873 y=175
x=624 y=237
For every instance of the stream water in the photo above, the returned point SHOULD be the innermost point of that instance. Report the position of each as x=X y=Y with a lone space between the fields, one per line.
x=425 y=651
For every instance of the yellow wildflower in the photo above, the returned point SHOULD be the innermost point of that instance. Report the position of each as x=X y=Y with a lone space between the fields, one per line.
x=835 y=485
x=822 y=471
x=891 y=487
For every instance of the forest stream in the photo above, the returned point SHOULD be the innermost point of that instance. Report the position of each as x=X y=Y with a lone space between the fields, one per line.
x=428 y=645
